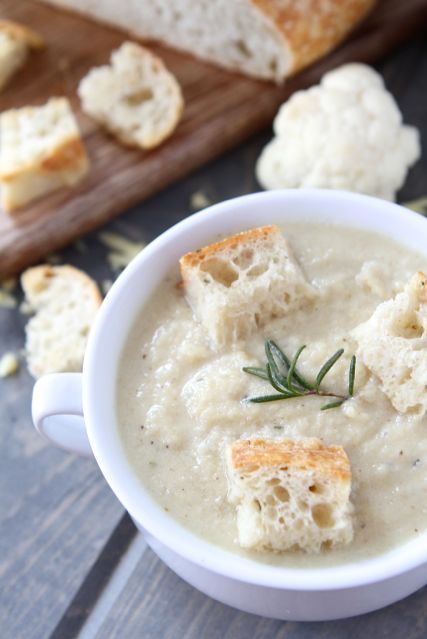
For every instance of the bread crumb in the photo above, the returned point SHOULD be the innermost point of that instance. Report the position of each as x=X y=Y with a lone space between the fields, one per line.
x=106 y=285
x=419 y=205
x=53 y=258
x=80 y=246
x=7 y=300
x=123 y=250
x=9 y=284
x=199 y=200
x=9 y=365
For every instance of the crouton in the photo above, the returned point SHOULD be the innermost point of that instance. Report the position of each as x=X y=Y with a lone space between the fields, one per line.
x=241 y=282
x=290 y=494
x=136 y=98
x=40 y=151
x=392 y=345
x=66 y=301
x=15 y=42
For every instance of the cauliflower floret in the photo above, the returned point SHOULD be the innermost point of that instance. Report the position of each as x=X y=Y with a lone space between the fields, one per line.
x=345 y=133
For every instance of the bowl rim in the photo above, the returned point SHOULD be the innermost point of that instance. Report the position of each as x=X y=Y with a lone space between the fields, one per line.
x=136 y=498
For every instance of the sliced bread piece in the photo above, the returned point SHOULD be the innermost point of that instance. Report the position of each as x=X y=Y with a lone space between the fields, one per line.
x=136 y=98
x=239 y=283
x=262 y=38
x=41 y=151
x=393 y=346
x=15 y=42
x=65 y=301
x=290 y=494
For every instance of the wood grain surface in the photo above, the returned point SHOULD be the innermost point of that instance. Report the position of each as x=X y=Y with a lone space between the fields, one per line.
x=71 y=564
x=222 y=109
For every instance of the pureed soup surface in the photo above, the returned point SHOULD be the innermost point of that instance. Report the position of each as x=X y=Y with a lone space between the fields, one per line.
x=179 y=403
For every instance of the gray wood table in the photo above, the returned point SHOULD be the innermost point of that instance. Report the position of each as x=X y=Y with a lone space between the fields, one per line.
x=71 y=562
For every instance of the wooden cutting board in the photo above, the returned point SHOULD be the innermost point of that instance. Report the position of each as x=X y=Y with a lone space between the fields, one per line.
x=222 y=109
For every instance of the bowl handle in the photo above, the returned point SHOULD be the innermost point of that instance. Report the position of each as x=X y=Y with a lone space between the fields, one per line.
x=57 y=412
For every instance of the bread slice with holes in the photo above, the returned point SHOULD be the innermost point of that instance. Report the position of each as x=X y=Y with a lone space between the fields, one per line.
x=65 y=301
x=16 y=40
x=239 y=283
x=40 y=151
x=290 y=494
x=136 y=98
x=393 y=346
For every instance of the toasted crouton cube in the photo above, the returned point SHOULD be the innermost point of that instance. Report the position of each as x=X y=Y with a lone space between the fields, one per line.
x=135 y=97
x=40 y=151
x=392 y=345
x=239 y=283
x=290 y=494
x=15 y=42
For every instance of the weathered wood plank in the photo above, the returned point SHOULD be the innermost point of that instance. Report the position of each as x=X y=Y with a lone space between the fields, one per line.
x=222 y=109
x=156 y=604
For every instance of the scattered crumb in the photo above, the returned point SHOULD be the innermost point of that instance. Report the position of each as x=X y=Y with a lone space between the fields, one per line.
x=419 y=205
x=199 y=200
x=123 y=250
x=26 y=308
x=9 y=284
x=7 y=300
x=63 y=64
x=9 y=365
x=53 y=259
x=106 y=285
x=80 y=246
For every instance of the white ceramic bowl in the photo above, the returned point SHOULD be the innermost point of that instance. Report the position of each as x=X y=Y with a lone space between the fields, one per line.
x=59 y=401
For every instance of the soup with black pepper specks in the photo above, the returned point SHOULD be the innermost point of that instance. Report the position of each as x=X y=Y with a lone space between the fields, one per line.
x=179 y=403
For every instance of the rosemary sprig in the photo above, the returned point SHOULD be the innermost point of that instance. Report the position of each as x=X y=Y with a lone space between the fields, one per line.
x=284 y=377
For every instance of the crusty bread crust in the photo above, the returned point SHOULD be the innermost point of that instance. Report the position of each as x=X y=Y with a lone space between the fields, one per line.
x=190 y=260
x=36 y=279
x=305 y=455
x=70 y=155
x=311 y=28
x=22 y=33
x=305 y=30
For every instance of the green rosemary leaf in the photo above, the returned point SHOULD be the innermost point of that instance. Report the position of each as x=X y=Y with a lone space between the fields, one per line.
x=276 y=383
x=294 y=384
x=292 y=370
x=254 y=370
x=327 y=367
x=285 y=361
x=332 y=404
x=277 y=375
x=268 y=398
x=351 y=376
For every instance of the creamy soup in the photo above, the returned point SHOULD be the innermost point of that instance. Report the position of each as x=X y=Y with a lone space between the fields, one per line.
x=179 y=403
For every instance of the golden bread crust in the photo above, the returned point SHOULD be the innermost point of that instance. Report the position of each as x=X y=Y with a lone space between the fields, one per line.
x=21 y=33
x=248 y=455
x=190 y=260
x=312 y=28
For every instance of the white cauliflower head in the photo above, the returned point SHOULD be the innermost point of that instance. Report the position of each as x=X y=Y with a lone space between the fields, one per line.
x=345 y=133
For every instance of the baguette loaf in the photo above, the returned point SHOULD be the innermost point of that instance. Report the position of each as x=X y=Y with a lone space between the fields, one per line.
x=15 y=42
x=41 y=151
x=239 y=283
x=290 y=494
x=66 y=301
x=393 y=346
x=268 y=39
